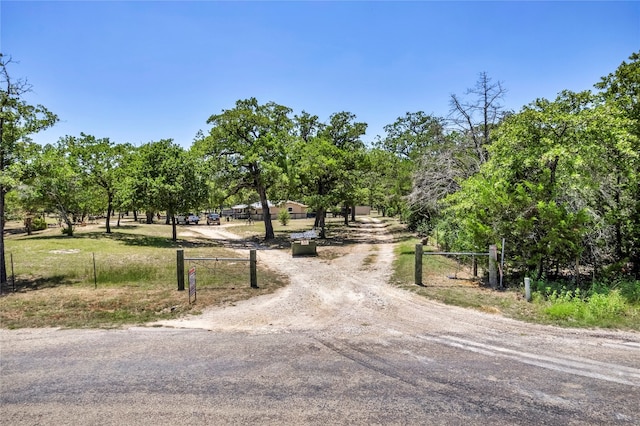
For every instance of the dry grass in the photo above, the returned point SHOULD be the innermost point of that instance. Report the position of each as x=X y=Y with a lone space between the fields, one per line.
x=135 y=271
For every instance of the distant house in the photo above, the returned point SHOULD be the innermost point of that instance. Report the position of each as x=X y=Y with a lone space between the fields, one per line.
x=363 y=210
x=296 y=210
x=240 y=211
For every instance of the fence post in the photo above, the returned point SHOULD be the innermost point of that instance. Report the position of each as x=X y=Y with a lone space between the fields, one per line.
x=418 y=267
x=493 y=270
x=475 y=267
x=253 y=270
x=527 y=289
x=180 y=269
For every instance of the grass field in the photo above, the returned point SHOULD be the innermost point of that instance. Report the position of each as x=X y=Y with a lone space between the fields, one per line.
x=134 y=280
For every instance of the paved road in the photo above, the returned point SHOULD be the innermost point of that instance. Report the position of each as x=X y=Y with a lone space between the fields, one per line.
x=337 y=346
x=167 y=376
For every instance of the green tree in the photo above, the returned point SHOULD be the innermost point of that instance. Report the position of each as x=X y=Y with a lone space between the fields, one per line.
x=319 y=169
x=387 y=180
x=165 y=177
x=249 y=146
x=100 y=161
x=345 y=134
x=18 y=120
x=542 y=186
x=58 y=185
x=620 y=91
x=413 y=135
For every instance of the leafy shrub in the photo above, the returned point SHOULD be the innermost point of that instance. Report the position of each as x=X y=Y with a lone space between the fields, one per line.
x=629 y=289
x=606 y=305
x=38 y=224
x=575 y=305
x=284 y=217
x=424 y=229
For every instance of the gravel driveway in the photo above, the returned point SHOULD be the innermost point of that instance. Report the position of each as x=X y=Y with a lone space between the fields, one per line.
x=337 y=346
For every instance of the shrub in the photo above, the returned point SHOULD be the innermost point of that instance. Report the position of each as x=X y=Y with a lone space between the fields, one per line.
x=38 y=224
x=284 y=217
x=629 y=289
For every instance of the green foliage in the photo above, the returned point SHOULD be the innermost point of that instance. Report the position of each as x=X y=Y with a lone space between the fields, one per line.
x=599 y=303
x=594 y=309
x=18 y=120
x=424 y=229
x=561 y=184
x=248 y=147
x=284 y=217
x=38 y=224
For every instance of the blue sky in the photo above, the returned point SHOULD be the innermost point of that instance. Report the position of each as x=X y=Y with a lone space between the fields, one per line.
x=142 y=71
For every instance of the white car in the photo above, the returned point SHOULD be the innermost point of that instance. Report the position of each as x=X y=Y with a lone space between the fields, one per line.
x=186 y=219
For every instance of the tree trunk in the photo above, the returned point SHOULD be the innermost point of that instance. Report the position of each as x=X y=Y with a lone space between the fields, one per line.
x=540 y=269
x=353 y=213
x=3 y=270
x=319 y=222
x=266 y=215
x=109 y=211
x=174 y=232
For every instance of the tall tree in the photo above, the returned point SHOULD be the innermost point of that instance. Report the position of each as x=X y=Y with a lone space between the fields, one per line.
x=543 y=184
x=345 y=134
x=620 y=90
x=100 y=160
x=249 y=145
x=476 y=117
x=165 y=177
x=18 y=120
x=413 y=135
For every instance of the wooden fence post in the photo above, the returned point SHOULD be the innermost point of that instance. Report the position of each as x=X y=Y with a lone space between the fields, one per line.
x=253 y=270
x=180 y=269
x=493 y=270
x=418 y=266
x=475 y=267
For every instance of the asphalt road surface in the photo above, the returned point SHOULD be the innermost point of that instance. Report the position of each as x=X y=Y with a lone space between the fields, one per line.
x=337 y=346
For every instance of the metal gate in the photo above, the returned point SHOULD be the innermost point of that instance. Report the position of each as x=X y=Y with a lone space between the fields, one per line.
x=492 y=255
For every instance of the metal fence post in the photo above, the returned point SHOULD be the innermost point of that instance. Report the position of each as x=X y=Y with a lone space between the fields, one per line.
x=493 y=270
x=180 y=269
x=418 y=267
x=253 y=270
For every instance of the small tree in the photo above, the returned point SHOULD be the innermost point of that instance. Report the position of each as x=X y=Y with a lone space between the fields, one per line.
x=284 y=217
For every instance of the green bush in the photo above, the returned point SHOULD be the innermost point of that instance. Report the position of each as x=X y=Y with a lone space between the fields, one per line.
x=284 y=217
x=629 y=289
x=575 y=305
x=38 y=224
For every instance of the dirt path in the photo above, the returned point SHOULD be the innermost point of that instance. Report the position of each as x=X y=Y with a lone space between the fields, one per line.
x=345 y=293
x=342 y=289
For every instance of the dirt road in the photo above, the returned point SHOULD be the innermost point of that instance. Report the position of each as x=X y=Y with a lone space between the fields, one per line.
x=339 y=345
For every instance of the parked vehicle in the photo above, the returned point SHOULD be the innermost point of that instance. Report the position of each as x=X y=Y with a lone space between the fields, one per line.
x=186 y=219
x=213 y=219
